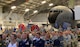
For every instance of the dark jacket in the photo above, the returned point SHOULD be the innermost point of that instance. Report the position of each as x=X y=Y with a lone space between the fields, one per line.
x=57 y=42
x=26 y=43
x=40 y=43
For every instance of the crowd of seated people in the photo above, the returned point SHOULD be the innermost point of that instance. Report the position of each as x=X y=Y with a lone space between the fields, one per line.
x=66 y=38
x=40 y=38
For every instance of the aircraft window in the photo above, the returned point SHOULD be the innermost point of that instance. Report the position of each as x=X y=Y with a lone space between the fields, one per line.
x=56 y=11
x=51 y=11
x=61 y=11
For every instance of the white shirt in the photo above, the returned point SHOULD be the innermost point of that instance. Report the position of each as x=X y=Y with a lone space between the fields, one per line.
x=12 y=45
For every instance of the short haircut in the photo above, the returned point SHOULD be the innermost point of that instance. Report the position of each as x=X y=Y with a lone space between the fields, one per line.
x=14 y=36
x=38 y=33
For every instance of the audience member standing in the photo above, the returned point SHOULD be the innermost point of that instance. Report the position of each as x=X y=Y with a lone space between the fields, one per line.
x=38 y=42
x=48 y=41
x=25 y=42
x=13 y=42
x=61 y=39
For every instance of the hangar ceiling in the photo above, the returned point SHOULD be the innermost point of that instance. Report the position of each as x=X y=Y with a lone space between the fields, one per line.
x=30 y=4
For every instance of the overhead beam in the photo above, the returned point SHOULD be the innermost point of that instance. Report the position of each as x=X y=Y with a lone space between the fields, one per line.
x=17 y=2
x=2 y=2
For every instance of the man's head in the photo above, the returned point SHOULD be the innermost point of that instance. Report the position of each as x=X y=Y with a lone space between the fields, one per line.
x=13 y=37
x=24 y=36
x=38 y=35
x=19 y=35
x=4 y=36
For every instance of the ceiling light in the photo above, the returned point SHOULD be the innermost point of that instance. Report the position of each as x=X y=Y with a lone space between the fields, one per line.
x=43 y=2
x=13 y=7
x=35 y=11
x=13 y=0
x=26 y=10
x=51 y=4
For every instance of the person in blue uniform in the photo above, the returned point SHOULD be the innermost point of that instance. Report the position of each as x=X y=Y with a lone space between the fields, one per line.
x=61 y=39
x=25 y=42
x=38 y=42
x=56 y=43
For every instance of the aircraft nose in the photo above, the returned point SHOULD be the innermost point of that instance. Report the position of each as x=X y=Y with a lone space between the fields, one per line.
x=52 y=16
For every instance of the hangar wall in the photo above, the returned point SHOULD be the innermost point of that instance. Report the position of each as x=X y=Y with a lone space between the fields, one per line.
x=13 y=20
x=42 y=17
x=16 y=19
